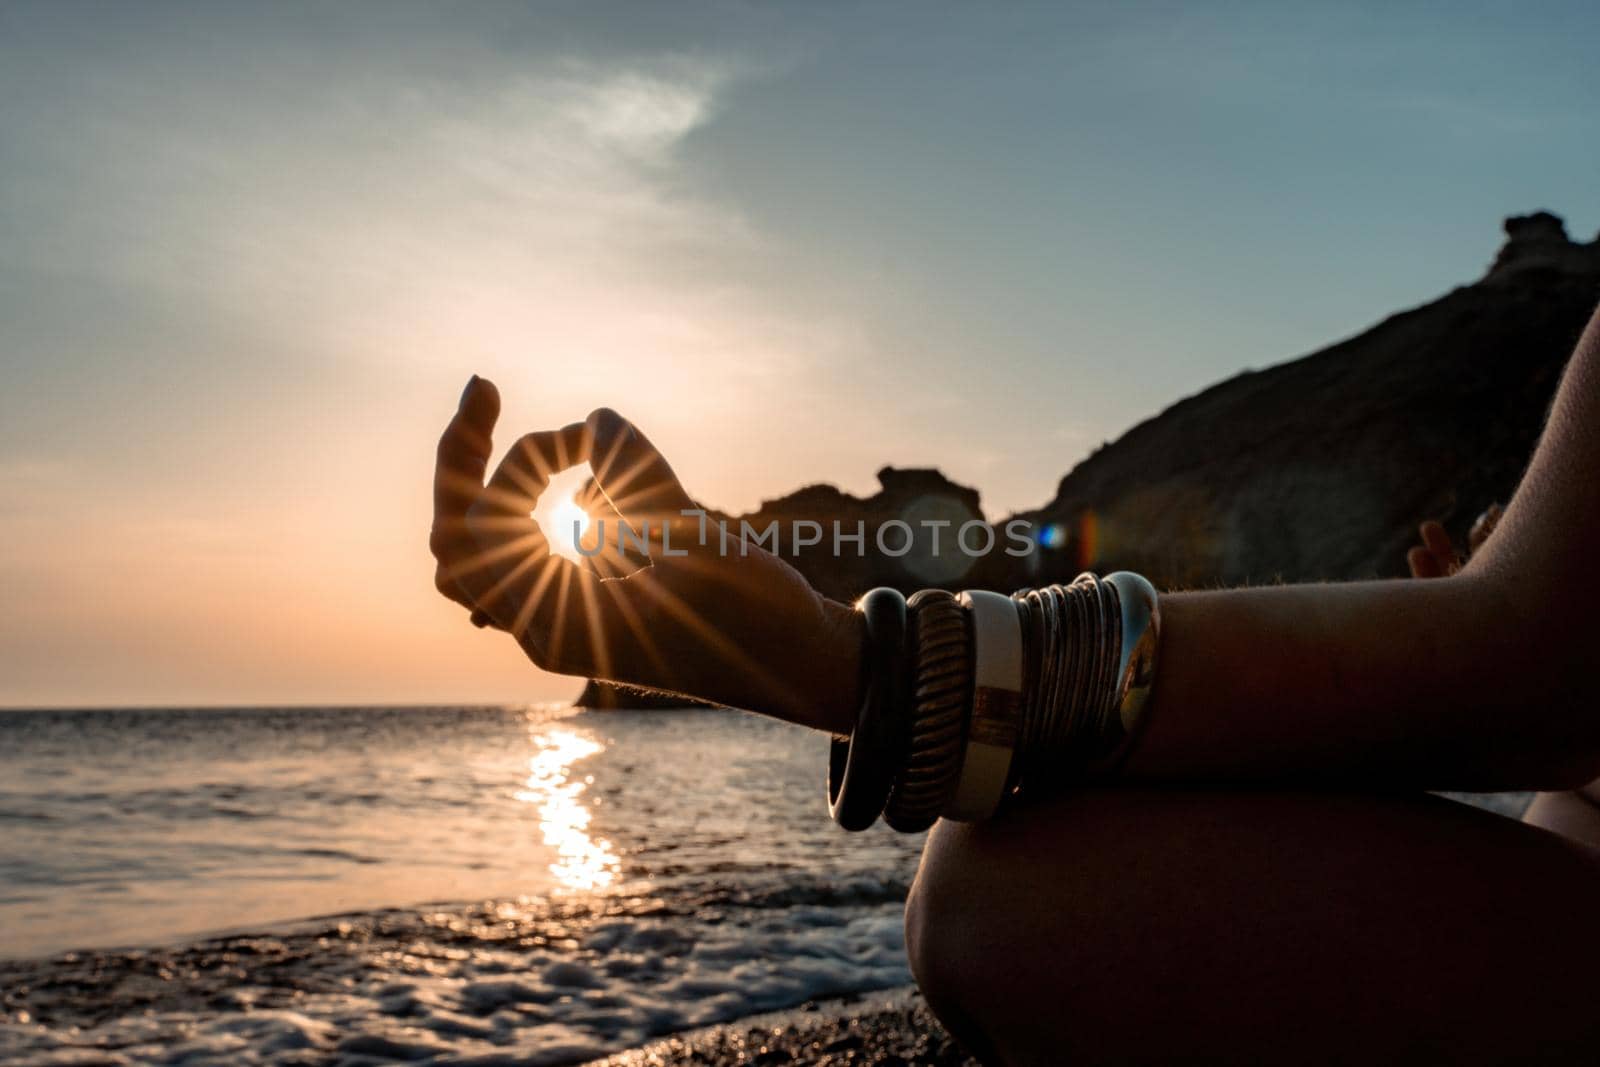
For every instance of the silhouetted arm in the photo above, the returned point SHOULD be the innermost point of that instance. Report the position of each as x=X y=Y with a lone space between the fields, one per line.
x=1473 y=681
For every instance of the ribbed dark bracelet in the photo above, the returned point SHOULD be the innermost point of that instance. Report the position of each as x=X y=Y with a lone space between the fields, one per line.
x=941 y=694
x=862 y=767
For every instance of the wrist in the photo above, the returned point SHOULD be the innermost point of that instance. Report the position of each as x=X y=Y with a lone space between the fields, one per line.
x=834 y=679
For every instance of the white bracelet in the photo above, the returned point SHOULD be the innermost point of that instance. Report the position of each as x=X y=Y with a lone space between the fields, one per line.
x=996 y=710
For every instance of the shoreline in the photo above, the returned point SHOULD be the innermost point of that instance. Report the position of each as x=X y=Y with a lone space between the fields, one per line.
x=888 y=1027
x=550 y=981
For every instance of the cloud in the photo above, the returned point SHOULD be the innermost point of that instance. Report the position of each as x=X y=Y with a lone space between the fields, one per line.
x=248 y=224
x=644 y=115
x=492 y=209
x=210 y=174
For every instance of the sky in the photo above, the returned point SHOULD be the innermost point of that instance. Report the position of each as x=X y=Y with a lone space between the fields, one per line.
x=249 y=255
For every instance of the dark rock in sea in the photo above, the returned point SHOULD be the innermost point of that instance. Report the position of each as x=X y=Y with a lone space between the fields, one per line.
x=609 y=696
x=1315 y=469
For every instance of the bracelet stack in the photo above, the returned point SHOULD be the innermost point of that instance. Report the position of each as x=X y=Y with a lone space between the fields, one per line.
x=977 y=700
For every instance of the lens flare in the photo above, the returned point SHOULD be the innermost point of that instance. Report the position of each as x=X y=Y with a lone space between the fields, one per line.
x=1052 y=535
x=1088 y=539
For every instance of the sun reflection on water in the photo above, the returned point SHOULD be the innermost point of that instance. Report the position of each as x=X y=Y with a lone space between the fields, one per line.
x=582 y=862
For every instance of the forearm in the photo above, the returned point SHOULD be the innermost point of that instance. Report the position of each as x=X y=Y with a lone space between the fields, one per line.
x=1473 y=682
x=821 y=686
x=1452 y=683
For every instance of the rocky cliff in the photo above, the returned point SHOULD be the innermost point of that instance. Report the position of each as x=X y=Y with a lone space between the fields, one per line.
x=1315 y=469
x=1321 y=468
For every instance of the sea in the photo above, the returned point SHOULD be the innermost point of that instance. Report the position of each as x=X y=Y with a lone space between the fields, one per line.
x=446 y=885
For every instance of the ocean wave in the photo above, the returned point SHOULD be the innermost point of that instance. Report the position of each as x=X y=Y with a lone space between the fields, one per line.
x=626 y=876
x=552 y=982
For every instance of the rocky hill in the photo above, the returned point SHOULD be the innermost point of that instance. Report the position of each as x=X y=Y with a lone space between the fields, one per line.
x=1318 y=468
x=1321 y=468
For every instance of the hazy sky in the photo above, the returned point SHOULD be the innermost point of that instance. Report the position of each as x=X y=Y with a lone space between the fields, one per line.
x=249 y=255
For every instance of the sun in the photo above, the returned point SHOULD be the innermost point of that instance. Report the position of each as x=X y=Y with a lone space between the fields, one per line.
x=558 y=512
x=566 y=527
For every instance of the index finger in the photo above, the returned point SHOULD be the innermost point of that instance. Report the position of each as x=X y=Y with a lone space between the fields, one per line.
x=632 y=472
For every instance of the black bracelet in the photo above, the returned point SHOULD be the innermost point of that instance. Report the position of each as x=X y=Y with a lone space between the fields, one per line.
x=862 y=767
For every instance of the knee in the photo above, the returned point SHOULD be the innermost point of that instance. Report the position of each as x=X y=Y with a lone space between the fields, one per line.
x=977 y=902
x=1005 y=918
x=939 y=915
x=957 y=930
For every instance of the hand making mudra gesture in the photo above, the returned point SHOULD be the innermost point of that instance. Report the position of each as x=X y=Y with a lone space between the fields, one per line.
x=736 y=627
x=1260 y=875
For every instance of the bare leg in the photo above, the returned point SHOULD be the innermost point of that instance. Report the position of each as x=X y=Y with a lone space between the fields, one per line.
x=1153 y=926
